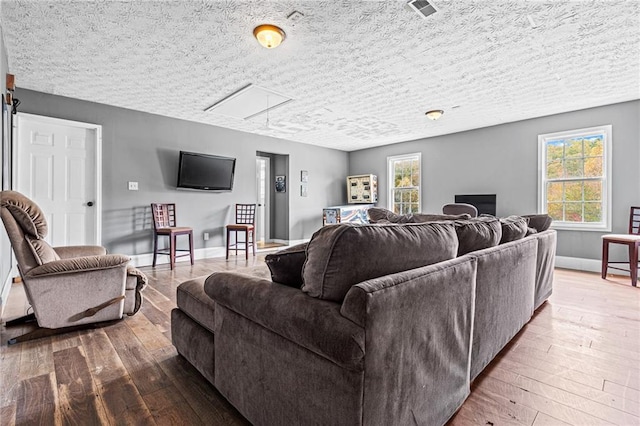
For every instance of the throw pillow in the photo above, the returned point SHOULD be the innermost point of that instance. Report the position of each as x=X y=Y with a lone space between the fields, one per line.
x=513 y=228
x=342 y=255
x=539 y=222
x=478 y=233
x=286 y=265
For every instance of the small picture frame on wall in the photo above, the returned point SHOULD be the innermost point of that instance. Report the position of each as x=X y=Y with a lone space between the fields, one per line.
x=281 y=184
x=304 y=176
x=303 y=190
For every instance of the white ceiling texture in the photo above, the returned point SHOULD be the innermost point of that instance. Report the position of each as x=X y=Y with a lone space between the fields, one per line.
x=359 y=73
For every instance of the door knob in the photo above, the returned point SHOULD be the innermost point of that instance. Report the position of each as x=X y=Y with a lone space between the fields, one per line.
x=90 y=203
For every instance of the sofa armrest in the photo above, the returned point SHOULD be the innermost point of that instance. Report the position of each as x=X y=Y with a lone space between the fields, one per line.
x=418 y=329
x=78 y=264
x=67 y=252
x=314 y=324
x=62 y=292
x=545 y=265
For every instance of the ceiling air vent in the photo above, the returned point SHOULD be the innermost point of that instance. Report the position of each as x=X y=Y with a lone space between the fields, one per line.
x=422 y=7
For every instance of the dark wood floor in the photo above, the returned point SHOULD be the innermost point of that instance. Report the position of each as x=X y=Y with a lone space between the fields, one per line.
x=577 y=362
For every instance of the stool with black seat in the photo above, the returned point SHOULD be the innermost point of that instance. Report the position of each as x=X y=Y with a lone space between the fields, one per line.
x=631 y=240
x=245 y=222
x=164 y=223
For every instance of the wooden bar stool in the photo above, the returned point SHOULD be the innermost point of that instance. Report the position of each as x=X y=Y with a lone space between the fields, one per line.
x=245 y=222
x=631 y=240
x=164 y=223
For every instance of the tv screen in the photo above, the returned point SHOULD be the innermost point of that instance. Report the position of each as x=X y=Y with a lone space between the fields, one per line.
x=485 y=203
x=207 y=172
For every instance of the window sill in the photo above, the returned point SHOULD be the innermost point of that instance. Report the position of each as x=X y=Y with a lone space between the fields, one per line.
x=560 y=226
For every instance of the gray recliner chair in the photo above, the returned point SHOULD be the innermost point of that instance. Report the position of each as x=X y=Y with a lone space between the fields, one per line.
x=67 y=287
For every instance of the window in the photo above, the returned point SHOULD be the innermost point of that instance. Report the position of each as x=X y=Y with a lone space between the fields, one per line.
x=575 y=178
x=404 y=183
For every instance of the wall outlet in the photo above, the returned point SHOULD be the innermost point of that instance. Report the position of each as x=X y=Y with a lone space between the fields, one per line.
x=206 y=236
x=133 y=186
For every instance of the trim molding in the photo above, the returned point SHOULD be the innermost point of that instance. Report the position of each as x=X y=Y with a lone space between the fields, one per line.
x=580 y=264
x=146 y=259
x=577 y=263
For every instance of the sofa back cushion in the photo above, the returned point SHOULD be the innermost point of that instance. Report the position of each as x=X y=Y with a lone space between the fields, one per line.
x=478 y=233
x=339 y=256
x=539 y=222
x=513 y=228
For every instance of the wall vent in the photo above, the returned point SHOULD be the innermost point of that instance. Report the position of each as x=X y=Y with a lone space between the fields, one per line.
x=423 y=8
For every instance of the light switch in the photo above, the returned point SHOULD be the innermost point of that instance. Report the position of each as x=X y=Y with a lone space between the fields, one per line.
x=133 y=186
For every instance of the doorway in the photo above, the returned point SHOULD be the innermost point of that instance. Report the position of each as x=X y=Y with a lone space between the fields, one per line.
x=272 y=208
x=263 y=177
x=57 y=163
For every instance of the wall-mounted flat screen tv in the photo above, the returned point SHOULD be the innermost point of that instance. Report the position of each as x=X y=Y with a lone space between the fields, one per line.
x=485 y=203
x=206 y=172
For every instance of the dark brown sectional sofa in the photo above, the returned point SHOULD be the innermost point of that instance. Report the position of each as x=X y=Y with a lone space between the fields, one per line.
x=391 y=324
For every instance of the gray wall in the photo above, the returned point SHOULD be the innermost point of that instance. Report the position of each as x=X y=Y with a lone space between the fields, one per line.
x=5 y=246
x=143 y=147
x=503 y=160
x=280 y=222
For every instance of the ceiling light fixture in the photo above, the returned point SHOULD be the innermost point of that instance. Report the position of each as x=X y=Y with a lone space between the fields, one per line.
x=434 y=114
x=269 y=36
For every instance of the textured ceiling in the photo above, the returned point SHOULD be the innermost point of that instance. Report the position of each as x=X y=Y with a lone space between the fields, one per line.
x=361 y=73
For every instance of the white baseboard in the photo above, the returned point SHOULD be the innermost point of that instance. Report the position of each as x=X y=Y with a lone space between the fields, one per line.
x=146 y=259
x=290 y=242
x=588 y=265
x=203 y=253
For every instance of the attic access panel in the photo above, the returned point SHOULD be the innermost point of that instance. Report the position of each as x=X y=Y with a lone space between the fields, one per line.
x=248 y=102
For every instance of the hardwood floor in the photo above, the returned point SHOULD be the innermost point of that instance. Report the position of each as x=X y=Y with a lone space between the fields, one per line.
x=577 y=362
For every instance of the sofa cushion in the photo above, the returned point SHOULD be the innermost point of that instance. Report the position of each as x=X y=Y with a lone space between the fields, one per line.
x=286 y=265
x=539 y=222
x=513 y=228
x=380 y=215
x=340 y=256
x=313 y=324
x=477 y=233
x=193 y=301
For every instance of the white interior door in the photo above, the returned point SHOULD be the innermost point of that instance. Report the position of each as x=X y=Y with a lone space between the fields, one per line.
x=57 y=165
x=263 y=167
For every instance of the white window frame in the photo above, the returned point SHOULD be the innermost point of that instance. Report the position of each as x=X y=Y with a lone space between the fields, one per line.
x=391 y=176
x=605 y=224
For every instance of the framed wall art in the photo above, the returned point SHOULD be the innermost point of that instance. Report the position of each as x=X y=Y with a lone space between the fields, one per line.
x=281 y=184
